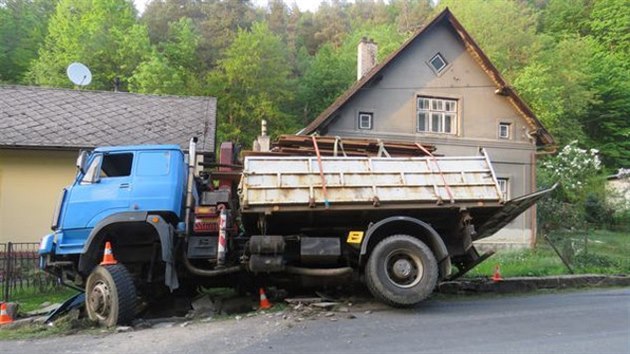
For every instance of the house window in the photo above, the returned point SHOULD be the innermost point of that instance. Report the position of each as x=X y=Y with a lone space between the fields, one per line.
x=365 y=120
x=438 y=63
x=504 y=185
x=504 y=130
x=436 y=115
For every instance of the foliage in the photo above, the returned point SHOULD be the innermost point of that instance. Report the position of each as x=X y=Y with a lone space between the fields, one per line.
x=23 y=26
x=171 y=66
x=560 y=91
x=569 y=59
x=252 y=80
x=101 y=34
x=505 y=30
x=578 y=171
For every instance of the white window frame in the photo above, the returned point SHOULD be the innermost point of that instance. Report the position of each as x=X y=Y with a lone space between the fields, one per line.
x=441 y=68
x=370 y=116
x=504 y=186
x=435 y=112
x=505 y=127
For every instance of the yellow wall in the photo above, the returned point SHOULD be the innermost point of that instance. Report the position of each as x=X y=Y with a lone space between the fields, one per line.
x=30 y=184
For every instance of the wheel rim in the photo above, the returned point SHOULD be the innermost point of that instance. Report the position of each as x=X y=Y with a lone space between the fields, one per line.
x=403 y=268
x=99 y=300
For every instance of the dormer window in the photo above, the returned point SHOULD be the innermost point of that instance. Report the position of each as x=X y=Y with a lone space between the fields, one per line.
x=438 y=63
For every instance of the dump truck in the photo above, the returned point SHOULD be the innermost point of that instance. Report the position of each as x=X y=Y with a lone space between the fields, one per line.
x=399 y=224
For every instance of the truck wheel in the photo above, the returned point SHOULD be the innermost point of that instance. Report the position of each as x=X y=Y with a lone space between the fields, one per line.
x=110 y=296
x=401 y=271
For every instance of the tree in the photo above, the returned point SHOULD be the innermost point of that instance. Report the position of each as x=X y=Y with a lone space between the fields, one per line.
x=608 y=122
x=171 y=69
x=252 y=83
x=411 y=14
x=558 y=87
x=278 y=18
x=23 y=26
x=331 y=22
x=505 y=30
x=101 y=34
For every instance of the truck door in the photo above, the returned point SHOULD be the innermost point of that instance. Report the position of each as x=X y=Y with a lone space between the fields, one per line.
x=105 y=189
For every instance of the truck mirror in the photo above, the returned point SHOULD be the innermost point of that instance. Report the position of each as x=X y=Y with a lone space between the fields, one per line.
x=82 y=160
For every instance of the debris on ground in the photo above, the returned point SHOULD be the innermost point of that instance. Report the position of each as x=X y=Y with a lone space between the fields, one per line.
x=44 y=309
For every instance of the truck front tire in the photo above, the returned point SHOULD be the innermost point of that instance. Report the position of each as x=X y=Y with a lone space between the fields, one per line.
x=401 y=271
x=110 y=295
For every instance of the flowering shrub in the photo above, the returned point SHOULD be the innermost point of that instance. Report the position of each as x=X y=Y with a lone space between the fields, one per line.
x=574 y=167
x=579 y=173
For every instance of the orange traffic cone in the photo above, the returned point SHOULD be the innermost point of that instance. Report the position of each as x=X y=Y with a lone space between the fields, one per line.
x=108 y=256
x=4 y=316
x=264 y=303
x=496 y=277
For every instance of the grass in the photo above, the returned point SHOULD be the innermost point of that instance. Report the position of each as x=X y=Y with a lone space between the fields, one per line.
x=606 y=252
x=30 y=299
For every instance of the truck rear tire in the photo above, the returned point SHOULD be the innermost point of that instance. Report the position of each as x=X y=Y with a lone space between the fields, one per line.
x=401 y=271
x=110 y=295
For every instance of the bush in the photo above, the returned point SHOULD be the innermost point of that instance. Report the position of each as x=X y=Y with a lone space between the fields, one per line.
x=597 y=212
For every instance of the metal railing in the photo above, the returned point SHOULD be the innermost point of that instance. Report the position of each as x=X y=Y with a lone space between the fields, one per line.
x=20 y=273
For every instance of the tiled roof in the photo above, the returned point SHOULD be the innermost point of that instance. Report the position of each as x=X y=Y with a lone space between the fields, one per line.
x=543 y=136
x=36 y=117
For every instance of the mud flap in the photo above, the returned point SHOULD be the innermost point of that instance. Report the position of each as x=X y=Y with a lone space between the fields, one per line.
x=165 y=232
x=510 y=211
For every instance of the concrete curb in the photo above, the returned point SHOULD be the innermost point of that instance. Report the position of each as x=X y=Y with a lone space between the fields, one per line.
x=526 y=284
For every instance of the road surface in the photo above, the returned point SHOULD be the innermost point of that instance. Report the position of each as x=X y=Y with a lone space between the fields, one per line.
x=595 y=321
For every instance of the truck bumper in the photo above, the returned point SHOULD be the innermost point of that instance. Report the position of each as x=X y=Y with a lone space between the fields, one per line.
x=46 y=248
x=47 y=244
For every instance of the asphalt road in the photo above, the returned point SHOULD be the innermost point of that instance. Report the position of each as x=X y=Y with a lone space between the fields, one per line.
x=596 y=321
x=573 y=322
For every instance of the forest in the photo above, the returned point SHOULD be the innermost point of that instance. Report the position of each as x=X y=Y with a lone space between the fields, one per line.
x=568 y=59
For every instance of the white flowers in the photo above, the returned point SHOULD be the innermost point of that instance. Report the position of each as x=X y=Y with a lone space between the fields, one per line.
x=573 y=165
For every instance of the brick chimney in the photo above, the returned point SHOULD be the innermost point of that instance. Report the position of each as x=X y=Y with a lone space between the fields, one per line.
x=366 y=56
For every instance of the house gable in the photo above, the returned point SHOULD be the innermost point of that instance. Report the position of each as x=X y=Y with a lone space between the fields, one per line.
x=389 y=91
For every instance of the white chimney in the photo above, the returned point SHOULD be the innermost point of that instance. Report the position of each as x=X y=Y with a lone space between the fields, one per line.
x=366 y=56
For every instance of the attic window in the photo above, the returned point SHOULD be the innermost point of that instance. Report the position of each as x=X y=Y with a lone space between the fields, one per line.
x=365 y=120
x=504 y=130
x=438 y=63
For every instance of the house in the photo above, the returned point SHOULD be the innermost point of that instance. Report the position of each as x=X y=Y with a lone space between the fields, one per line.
x=440 y=88
x=618 y=186
x=43 y=129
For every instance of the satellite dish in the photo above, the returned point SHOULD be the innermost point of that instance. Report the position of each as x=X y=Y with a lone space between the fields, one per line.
x=79 y=74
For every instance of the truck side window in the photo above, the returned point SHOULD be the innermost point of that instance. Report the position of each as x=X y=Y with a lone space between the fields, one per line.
x=91 y=174
x=153 y=163
x=116 y=165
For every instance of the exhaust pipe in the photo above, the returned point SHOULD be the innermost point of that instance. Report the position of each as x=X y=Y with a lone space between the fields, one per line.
x=192 y=160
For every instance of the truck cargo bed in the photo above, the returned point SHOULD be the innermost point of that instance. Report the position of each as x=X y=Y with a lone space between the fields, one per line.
x=296 y=183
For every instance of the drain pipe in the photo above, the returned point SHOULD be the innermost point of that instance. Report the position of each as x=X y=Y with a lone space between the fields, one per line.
x=192 y=159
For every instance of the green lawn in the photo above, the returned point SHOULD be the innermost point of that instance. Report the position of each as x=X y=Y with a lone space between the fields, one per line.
x=30 y=299
x=607 y=252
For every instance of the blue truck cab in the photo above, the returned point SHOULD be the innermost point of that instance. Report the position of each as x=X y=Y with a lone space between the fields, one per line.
x=116 y=185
